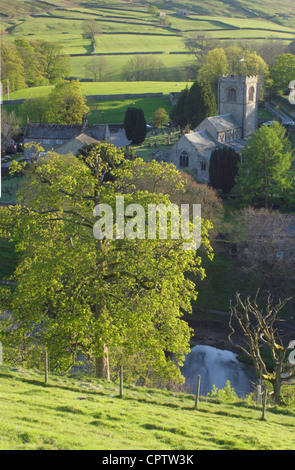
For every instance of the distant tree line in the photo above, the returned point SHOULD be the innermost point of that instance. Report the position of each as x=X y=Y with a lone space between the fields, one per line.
x=32 y=63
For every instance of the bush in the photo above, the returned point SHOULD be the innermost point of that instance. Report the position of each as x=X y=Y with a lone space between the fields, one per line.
x=227 y=394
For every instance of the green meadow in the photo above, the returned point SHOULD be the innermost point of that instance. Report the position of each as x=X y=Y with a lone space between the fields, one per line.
x=128 y=28
x=82 y=413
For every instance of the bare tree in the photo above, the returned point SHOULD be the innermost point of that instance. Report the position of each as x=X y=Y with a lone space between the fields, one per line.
x=259 y=327
x=266 y=242
x=98 y=68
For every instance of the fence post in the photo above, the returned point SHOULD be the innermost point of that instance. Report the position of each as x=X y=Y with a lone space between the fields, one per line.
x=259 y=395
x=46 y=367
x=264 y=404
x=198 y=391
x=121 y=380
x=1 y=354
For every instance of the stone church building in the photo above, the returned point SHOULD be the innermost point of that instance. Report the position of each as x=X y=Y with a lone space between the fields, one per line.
x=237 y=120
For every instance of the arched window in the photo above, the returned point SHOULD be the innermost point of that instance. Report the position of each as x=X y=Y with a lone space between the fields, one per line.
x=232 y=95
x=184 y=159
x=251 y=93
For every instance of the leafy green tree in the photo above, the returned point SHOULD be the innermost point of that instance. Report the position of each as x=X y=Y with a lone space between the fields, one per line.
x=159 y=117
x=282 y=71
x=12 y=68
x=55 y=65
x=254 y=65
x=266 y=171
x=200 y=103
x=177 y=114
x=32 y=60
x=81 y=294
x=215 y=64
x=35 y=109
x=223 y=168
x=66 y=103
x=135 y=125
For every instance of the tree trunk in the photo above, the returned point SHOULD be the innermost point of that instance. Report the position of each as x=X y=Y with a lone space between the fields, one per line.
x=102 y=368
x=277 y=384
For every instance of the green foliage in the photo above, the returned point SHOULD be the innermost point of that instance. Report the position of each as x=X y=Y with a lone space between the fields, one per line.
x=159 y=117
x=282 y=71
x=223 y=168
x=66 y=104
x=178 y=112
x=224 y=395
x=135 y=125
x=200 y=103
x=78 y=293
x=12 y=68
x=266 y=172
x=32 y=63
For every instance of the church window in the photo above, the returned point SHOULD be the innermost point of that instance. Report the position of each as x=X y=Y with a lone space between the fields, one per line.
x=221 y=137
x=251 y=93
x=232 y=95
x=203 y=166
x=184 y=160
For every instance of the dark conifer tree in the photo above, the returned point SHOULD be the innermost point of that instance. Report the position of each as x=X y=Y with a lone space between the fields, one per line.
x=223 y=168
x=200 y=103
x=177 y=114
x=135 y=125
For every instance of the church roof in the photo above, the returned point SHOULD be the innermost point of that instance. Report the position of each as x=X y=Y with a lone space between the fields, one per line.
x=223 y=122
x=237 y=145
x=201 y=140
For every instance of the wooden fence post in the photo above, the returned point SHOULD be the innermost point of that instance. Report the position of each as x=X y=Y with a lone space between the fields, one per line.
x=258 y=394
x=121 y=380
x=198 y=391
x=46 y=367
x=264 y=404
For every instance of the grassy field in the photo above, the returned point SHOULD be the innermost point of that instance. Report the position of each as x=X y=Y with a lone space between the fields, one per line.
x=86 y=414
x=130 y=28
x=105 y=88
x=113 y=109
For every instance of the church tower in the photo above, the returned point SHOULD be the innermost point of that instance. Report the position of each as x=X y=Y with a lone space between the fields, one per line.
x=238 y=95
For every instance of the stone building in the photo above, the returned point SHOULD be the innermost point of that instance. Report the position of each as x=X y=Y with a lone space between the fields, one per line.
x=236 y=121
x=62 y=137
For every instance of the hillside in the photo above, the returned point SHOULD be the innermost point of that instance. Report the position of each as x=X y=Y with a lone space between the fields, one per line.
x=85 y=414
x=129 y=28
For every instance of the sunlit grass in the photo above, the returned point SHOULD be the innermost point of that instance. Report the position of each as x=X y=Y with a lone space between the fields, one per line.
x=73 y=414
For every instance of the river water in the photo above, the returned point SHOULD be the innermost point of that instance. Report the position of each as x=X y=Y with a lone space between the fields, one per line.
x=216 y=366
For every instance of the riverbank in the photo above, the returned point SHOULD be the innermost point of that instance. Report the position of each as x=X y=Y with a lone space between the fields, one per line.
x=211 y=328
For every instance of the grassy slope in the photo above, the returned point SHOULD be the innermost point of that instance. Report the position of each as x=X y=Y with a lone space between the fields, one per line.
x=35 y=416
x=128 y=27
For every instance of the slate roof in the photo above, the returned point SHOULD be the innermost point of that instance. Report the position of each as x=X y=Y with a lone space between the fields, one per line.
x=237 y=145
x=65 y=132
x=223 y=122
x=73 y=145
x=201 y=140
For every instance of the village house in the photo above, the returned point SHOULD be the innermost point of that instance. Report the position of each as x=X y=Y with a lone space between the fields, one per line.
x=271 y=236
x=63 y=138
x=183 y=12
x=237 y=120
